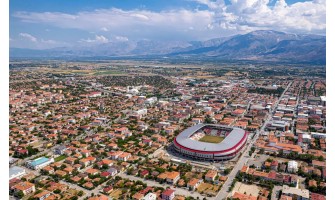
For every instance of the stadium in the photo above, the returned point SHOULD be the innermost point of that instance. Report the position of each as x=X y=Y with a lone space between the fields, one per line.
x=210 y=142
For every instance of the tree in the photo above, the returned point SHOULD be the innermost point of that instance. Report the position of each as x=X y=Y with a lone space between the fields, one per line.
x=57 y=191
x=261 y=151
x=80 y=193
x=20 y=194
x=208 y=120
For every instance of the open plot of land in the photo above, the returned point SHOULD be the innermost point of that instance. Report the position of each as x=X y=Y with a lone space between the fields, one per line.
x=115 y=194
x=252 y=190
x=208 y=188
x=204 y=186
x=211 y=139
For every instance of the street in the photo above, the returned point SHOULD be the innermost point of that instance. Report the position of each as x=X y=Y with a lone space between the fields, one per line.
x=223 y=193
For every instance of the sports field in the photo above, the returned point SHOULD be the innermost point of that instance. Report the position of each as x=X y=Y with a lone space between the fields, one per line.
x=211 y=139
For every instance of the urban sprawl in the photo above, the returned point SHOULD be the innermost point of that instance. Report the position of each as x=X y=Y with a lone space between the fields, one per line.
x=147 y=131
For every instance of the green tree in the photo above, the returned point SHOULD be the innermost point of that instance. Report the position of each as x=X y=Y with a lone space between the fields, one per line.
x=20 y=194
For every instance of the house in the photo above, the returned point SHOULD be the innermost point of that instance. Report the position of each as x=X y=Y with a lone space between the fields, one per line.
x=172 y=177
x=42 y=195
x=107 y=162
x=88 y=185
x=292 y=166
x=210 y=175
x=112 y=171
x=168 y=194
x=105 y=174
x=57 y=186
x=70 y=160
x=193 y=183
x=60 y=173
x=108 y=189
x=144 y=173
x=124 y=156
x=85 y=152
x=48 y=169
x=92 y=171
x=85 y=162
x=115 y=155
x=25 y=187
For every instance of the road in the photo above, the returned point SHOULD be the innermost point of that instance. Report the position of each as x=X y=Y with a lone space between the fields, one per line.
x=223 y=193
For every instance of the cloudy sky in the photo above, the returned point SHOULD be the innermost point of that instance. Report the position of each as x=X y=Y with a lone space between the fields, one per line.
x=41 y=24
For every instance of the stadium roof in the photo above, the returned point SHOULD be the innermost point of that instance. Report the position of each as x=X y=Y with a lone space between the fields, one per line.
x=233 y=138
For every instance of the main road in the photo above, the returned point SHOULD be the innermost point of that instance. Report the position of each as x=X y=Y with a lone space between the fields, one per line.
x=223 y=193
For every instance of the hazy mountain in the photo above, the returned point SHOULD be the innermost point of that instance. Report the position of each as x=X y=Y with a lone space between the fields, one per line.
x=256 y=45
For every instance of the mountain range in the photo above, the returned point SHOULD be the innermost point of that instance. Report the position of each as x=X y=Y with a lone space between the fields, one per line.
x=262 y=45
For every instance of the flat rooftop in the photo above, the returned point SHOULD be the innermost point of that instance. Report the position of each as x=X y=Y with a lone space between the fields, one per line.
x=39 y=161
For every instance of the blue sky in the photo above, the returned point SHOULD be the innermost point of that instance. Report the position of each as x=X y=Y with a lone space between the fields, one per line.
x=41 y=24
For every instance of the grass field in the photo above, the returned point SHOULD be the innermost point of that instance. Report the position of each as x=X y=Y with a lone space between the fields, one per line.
x=59 y=158
x=211 y=139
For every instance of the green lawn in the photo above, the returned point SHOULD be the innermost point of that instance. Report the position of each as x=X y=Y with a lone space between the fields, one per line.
x=211 y=139
x=59 y=158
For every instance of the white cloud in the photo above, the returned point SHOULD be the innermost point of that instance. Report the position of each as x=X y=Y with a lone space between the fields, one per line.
x=97 y=39
x=121 y=38
x=135 y=24
x=218 y=20
x=28 y=36
x=301 y=17
x=104 y=29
